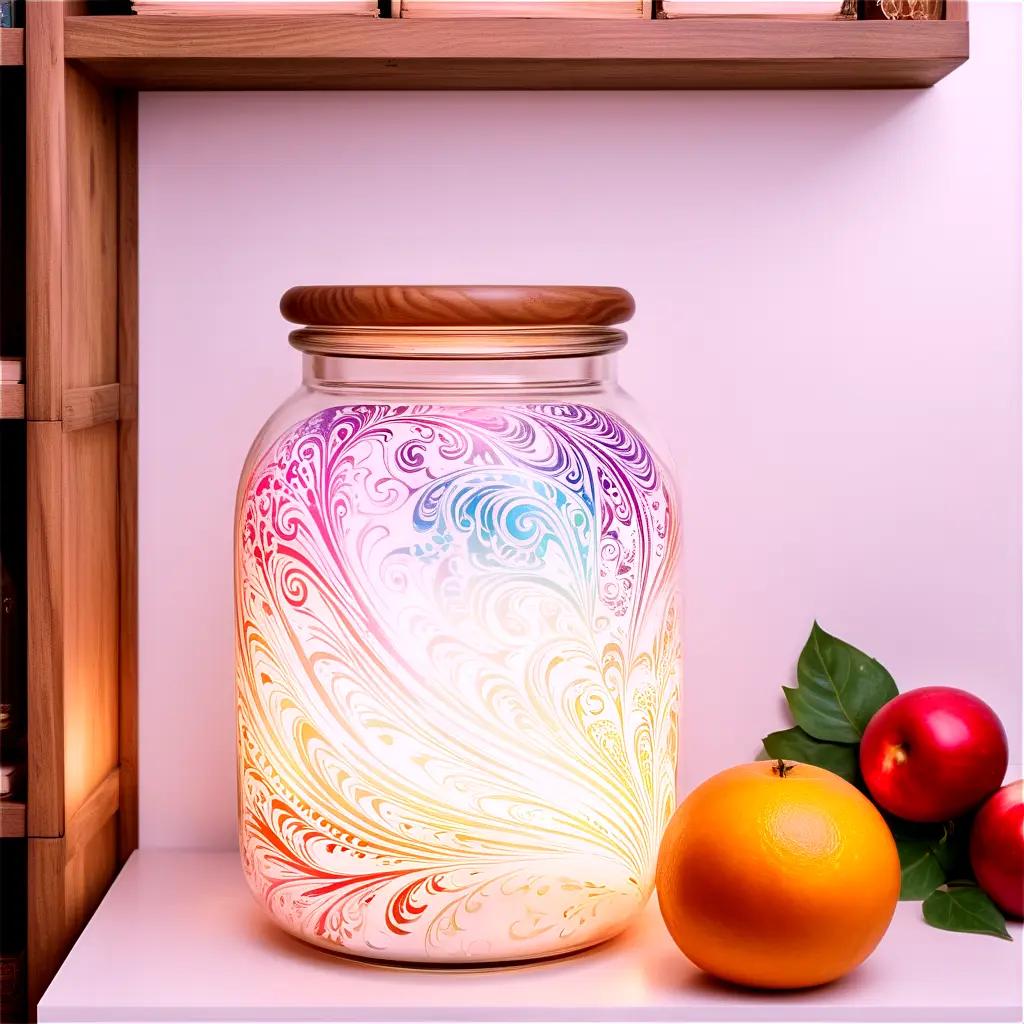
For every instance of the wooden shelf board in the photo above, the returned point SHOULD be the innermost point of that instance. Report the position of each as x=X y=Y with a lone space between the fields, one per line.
x=12 y=819
x=332 y=52
x=12 y=47
x=179 y=938
x=12 y=401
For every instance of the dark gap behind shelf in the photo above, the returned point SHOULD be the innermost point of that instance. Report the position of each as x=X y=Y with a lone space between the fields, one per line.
x=12 y=212
x=13 y=638
x=13 y=878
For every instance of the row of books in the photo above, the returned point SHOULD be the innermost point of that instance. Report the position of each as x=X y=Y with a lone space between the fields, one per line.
x=801 y=9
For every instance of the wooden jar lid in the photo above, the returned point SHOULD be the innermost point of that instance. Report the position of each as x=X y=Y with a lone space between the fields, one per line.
x=470 y=321
x=471 y=305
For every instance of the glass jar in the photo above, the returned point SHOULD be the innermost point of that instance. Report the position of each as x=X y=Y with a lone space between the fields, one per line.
x=456 y=628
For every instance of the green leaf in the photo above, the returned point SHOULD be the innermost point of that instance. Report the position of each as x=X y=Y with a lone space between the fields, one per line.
x=795 y=745
x=964 y=908
x=926 y=862
x=838 y=689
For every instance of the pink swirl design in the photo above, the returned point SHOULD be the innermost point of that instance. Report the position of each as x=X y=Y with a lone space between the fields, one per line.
x=457 y=654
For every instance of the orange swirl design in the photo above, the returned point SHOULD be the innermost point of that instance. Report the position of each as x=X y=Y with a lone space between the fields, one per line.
x=457 y=692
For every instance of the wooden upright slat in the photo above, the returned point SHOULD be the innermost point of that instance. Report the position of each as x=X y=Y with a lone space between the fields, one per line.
x=47 y=914
x=46 y=592
x=90 y=676
x=45 y=156
x=73 y=618
x=67 y=878
x=90 y=257
x=128 y=461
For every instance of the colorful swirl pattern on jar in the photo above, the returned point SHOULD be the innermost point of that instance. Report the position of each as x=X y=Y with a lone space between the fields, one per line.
x=457 y=653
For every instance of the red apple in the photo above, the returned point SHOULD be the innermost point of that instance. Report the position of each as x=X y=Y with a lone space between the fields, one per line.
x=997 y=848
x=933 y=754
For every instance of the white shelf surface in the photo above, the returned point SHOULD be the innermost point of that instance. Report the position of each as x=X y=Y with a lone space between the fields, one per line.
x=179 y=938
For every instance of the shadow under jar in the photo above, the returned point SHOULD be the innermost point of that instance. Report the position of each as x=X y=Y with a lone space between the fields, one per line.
x=456 y=628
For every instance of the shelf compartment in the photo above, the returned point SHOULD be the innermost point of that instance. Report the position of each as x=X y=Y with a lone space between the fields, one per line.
x=179 y=937
x=12 y=401
x=324 y=52
x=12 y=47
x=12 y=819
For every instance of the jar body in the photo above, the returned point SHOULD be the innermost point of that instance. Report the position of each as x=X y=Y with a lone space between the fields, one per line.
x=457 y=660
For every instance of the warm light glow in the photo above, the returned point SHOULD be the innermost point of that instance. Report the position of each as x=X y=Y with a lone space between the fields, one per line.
x=457 y=653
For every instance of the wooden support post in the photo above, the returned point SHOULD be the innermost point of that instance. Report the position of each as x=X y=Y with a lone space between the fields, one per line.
x=79 y=339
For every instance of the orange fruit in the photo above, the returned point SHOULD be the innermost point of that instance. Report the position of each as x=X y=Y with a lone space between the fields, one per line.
x=777 y=875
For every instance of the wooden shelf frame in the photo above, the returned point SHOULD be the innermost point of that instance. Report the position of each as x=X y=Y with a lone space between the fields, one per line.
x=331 y=52
x=81 y=344
x=80 y=396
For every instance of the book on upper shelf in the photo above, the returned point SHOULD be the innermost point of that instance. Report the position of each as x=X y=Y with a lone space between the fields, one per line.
x=10 y=369
x=611 y=9
x=365 y=8
x=811 y=10
x=903 y=10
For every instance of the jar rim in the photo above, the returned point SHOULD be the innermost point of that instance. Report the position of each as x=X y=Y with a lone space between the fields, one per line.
x=464 y=343
x=457 y=321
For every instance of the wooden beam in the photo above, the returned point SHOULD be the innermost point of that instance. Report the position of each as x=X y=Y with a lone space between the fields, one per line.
x=67 y=877
x=90 y=250
x=324 y=52
x=45 y=544
x=88 y=407
x=90 y=619
x=73 y=401
x=128 y=468
x=45 y=176
x=97 y=809
x=48 y=934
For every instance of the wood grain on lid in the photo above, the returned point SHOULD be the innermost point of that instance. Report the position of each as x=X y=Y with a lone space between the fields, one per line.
x=456 y=305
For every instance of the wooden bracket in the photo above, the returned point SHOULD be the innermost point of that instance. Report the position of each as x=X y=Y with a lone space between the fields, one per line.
x=88 y=407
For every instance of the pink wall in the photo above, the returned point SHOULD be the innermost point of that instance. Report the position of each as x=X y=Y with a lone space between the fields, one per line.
x=828 y=327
